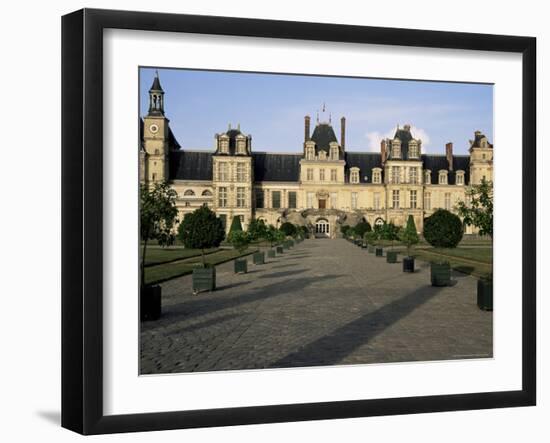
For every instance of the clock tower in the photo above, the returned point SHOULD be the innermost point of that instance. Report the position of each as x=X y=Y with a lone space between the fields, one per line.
x=155 y=136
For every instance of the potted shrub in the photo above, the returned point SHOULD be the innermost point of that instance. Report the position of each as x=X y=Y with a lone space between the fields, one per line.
x=279 y=239
x=288 y=229
x=370 y=238
x=240 y=241
x=271 y=237
x=442 y=229
x=201 y=229
x=409 y=237
x=485 y=293
x=258 y=258
x=257 y=230
x=360 y=230
x=158 y=214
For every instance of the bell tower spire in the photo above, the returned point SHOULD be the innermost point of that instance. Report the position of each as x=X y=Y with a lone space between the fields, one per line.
x=156 y=97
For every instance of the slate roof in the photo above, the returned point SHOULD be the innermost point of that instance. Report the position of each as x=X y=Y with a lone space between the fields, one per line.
x=190 y=165
x=276 y=167
x=156 y=85
x=323 y=135
x=477 y=140
x=365 y=161
x=435 y=163
x=233 y=133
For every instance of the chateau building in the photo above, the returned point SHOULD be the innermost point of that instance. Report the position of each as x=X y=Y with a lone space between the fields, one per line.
x=323 y=187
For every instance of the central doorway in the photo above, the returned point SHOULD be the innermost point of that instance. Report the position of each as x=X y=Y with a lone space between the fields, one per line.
x=322 y=228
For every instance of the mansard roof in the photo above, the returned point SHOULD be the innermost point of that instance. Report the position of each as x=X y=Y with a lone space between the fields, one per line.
x=476 y=143
x=405 y=136
x=365 y=161
x=436 y=163
x=190 y=165
x=156 y=85
x=276 y=167
x=233 y=134
x=323 y=135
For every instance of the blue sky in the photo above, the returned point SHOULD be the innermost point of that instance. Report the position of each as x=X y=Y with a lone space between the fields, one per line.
x=271 y=107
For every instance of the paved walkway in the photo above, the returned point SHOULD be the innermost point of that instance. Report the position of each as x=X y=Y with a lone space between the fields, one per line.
x=324 y=302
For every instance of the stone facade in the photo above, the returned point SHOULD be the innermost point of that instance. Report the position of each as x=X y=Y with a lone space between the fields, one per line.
x=323 y=187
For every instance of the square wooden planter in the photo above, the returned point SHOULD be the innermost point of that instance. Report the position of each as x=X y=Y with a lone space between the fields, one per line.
x=271 y=253
x=485 y=294
x=280 y=249
x=379 y=252
x=204 y=279
x=391 y=257
x=241 y=266
x=440 y=274
x=258 y=258
x=371 y=249
x=408 y=264
x=150 y=302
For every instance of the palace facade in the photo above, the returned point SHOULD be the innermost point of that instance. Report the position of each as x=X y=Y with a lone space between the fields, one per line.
x=323 y=187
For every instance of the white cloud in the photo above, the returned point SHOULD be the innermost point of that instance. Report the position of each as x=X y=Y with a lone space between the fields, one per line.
x=375 y=137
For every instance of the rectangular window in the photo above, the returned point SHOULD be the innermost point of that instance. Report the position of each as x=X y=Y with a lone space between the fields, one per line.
x=413 y=175
x=377 y=200
x=241 y=172
x=260 y=198
x=459 y=179
x=413 y=199
x=322 y=175
x=354 y=200
x=395 y=199
x=292 y=200
x=240 y=197
x=222 y=197
x=447 y=201
x=442 y=178
x=310 y=174
x=427 y=201
x=333 y=175
x=223 y=219
x=333 y=200
x=376 y=177
x=310 y=199
x=276 y=199
x=395 y=174
x=354 y=177
x=222 y=172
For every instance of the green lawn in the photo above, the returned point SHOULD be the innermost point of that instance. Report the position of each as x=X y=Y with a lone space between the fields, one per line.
x=167 y=271
x=156 y=255
x=475 y=261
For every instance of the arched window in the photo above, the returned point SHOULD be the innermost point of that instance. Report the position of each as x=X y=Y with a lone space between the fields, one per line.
x=206 y=193
x=189 y=193
x=379 y=222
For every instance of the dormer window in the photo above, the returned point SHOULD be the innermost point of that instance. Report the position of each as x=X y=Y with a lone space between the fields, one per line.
x=354 y=175
x=396 y=148
x=413 y=149
x=443 y=177
x=428 y=177
x=224 y=144
x=310 y=153
x=241 y=146
x=322 y=155
x=334 y=151
x=460 y=178
x=377 y=176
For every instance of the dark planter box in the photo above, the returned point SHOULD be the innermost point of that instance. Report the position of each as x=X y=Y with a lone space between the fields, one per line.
x=149 y=302
x=408 y=264
x=371 y=249
x=271 y=253
x=279 y=249
x=485 y=295
x=291 y=243
x=391 y=257
x=441 y=274
x=379 y=252
x=204 y=279
x=258 y=258
x=241 y=266
x=364 y=245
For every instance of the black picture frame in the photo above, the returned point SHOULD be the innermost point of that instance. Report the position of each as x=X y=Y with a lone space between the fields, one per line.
x=82 y=218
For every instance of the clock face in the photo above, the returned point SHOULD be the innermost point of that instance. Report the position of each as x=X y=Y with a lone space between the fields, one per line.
x=154 y=129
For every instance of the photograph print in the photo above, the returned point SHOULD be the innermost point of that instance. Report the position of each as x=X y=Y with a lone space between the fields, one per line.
x=291 y=221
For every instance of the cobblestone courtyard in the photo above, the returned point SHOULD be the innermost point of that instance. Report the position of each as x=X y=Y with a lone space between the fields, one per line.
x=324 y=302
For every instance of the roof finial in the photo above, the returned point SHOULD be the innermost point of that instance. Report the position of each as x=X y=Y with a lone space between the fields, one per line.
x=229 y=127
x=239 y=126
x=330 y=117
x=317 y=116
x=323 y=106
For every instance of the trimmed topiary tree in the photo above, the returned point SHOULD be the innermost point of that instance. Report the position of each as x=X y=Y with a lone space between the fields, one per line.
x=239 y=239
x=257 y=229
x=304 y=231
x=362 y=228
x=201 y=229
x=344 y=229
x=408 y=235
x=236 y=224
x=271 y=234
x=288 y=229
x=443 y=229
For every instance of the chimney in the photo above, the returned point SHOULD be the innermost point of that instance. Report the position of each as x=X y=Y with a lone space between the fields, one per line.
x=307 y=121
x=343 y=132
x=449 y=153
x=383 y=152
